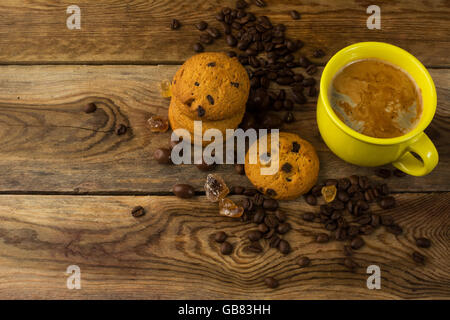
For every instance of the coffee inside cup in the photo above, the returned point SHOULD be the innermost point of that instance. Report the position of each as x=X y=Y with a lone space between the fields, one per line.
x=376 y=98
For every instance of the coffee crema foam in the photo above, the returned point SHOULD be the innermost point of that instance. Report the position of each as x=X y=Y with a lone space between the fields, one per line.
x=376 y=98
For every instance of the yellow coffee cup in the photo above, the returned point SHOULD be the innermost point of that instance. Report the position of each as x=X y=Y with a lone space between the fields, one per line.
x=363 y=150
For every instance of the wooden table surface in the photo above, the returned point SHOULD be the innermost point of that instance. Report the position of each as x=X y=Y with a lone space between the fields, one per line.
x=68 y=183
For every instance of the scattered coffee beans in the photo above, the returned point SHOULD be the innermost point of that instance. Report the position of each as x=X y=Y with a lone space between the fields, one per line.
x=90 y=107
x=183 y=191
x=162 y=155
x=226 y=248
x=303 y=261
x=220 y=237
x=271 y=282
x=138 y=211
x=423 y=242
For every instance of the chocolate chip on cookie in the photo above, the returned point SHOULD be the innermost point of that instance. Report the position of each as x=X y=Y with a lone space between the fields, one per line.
x=287 y=167
x=200 y=111
x=295 y=147
x=235 y=84
x=210 y=99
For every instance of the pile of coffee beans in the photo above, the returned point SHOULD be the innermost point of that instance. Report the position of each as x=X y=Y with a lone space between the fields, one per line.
x=348 y=217
x=269 y=57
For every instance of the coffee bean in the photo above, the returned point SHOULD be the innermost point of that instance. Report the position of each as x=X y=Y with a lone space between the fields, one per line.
x=357 y=243
x=162 y=155
x=349 y=263
x=198 y=47
x=423 y=242
x=260 y=3
x=259 y=215
x=184 y=191
x=254 y=247
x=348 y=251
x=366 y=230
x=281 y=216
x=387 y=220
x=398 y=173
x=303 y=261
x=394 y=229
x=231 y=40
x=121 y=129
x=336 y=215
x=247 y=204
x=384 y=189
x=213 y=32
x=263 y=228
x=254 y=235
x=317 y=190
x=387 y=202
x=202 y=25
x=365 y=219
x=269 y=234
x=376 y=221
x=274 y=241
x=138 y=211
x=271 y=221
x=343 y=196
x=206 y=38
x=270 y=204
x=362 y=204
x=220 y=237
x=353 y=231
x=369 y=195
x=309 y=82
x=354 y=179
x=343 y=184
x=363 y=182
x=226 y=248
x=283 y=228
x=331 y=226
x=271 y=282
x=308 y=216
x=304 y=62
x=311 y=69
x=90 y=107
x=294 y=14
x=258 y=199
x=418 y=257
x=250 y=192
x=319 y=53
x=341 y=234
x=337 y=204
x=326 y=210
x=383 y=173
x=322 y=238
x=311 y=200
x=175 y=24
x=284 y=247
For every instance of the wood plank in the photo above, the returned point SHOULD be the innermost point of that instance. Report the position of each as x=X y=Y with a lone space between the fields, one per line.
x=49 y=145
x=169 y=253
x=138 y=31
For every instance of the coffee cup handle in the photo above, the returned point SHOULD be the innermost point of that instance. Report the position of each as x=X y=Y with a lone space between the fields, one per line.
x=425 y=149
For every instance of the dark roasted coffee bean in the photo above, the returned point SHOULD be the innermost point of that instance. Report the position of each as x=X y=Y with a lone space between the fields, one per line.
x=366 y=230
x=363 y=205
x=303 y=261
x=162 y=155
x=226 y=248
x=247 y=204
x=271 y=221
x=220 y=237
x=227 y=30
x=354 y=179
x=237 y=190
x=250 y=192
x=241 y=4
x=343 y=184
x=342 y=223
x=375 y=221
x=121 y=129
x=138 y=211
x=418 y=257
x=298 y=78
x=202 y=25
x=337 y=204
x=384 y=189
x=311 y=200
x=270 y=233
x=356 y=211
x=294 y=14
x=206 y=38
x=309 y=82
x=312 y=92
x=236 y=25
x=288 y=104
x=284 y=80
x=423 y=242
x=331 y=182
x=383 y=173
x=281 y=216
x=184 y=191
x=343 y=196
x=175 y=24
x=242 y=45
x=341 y=234
x=336 y=215
x=365 y=219
x=254 y=235
x=90 y=107
x=198 y=47
x=231 y=40
x=311 y=69
x=308 y=216
x=357 y=243
x=398 y=173
x=357 y=196
x=270 y=204
x=220 y=16
x=326 y=210
x=349 y=263
x=263 y=228
x=387 y=203
x=284 y=227
x=260 y=3
x=284 y=247
x=259 y=215
x=394 y=229
x=299 y=97
x=289 y=117
x=254 y=247
x=387 y=220
x=363 y=182
x=274 y=241
x=369 y=195
x=319 y=53
x=353 y=231
x=271 y=282
x=317 y=190
x=213 y=32
x=322 y=238
x=348 y=251
x=304 y=62
x=258 y=199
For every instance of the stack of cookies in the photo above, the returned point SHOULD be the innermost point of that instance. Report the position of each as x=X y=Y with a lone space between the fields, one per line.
x=210 y=87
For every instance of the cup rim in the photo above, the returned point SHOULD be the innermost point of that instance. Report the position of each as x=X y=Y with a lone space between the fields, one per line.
x=326 y=74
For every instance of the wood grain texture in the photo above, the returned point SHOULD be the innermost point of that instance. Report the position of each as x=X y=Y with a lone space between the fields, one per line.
x=49 y=145
x=138 y=31
x=169 y=253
